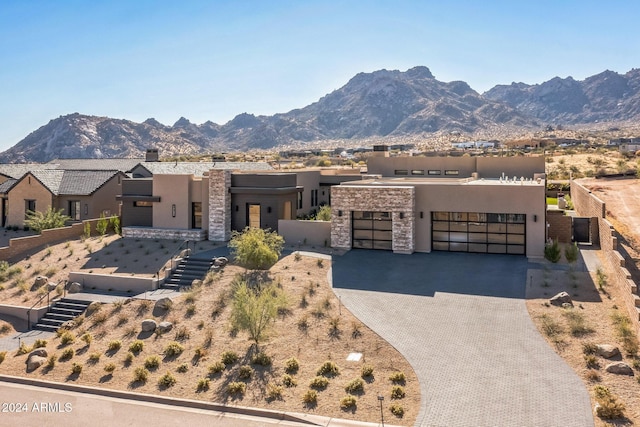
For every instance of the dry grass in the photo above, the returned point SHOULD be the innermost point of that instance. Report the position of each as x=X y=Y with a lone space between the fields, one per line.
x=269 y=385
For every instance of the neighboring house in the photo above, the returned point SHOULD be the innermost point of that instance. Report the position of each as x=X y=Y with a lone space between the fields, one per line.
x=80 y=194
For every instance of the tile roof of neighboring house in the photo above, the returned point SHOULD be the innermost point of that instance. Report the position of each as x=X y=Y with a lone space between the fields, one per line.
x=16 y=171
x=124 y=165
x=196 y=168
x=71 y=182
x=5 y=186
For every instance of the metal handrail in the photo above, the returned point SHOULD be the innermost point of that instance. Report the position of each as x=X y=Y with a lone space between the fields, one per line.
x=39 y=301
x=174 y=256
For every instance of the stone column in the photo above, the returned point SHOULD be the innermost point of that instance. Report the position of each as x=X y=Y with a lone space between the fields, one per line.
x=219 y=205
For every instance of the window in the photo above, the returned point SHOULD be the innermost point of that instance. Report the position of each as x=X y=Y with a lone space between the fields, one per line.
x=434 y=172
x=300 y=200
x=196 y=215
x=401 y=172
x=314 y=197
x=74 y=209
x=142 y=204
x=417 y=172
x=29 y=205
x=451 y=172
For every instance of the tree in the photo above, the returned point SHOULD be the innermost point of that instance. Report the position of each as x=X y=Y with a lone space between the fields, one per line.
x=324 y=214
x=51 y=218
x=255 y=248
x=253 y=309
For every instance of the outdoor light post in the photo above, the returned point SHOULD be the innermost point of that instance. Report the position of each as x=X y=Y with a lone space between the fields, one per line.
x=380 y=399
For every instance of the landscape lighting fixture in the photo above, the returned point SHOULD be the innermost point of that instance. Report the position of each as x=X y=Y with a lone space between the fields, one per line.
x=173 y=211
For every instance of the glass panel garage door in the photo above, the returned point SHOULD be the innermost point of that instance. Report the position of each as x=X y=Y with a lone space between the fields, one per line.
x=494 y=233
x=371 y=230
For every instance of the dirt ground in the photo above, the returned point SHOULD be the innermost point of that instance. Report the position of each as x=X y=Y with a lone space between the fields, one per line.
x=304 y=331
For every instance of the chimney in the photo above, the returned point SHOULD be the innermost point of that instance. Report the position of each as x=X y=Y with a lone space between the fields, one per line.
x=152 y=155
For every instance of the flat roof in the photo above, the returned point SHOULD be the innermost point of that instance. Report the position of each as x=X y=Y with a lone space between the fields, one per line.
x=445 y=181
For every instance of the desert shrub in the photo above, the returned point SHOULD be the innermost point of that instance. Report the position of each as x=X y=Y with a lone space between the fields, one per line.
x=203 y=384
x=320 y=262
x=274 y=391
x=261 y=359
x=3 y=355
x=51 y=361
x=136 y=346
x=76 y=368
x=626 y=333
x=608 y=407
x=39 y=343
x=67 y=354
x=592 y=375
x=398 y=377
x=102 y=224
x=571 y=252
x=229 y=357
x=200 y=353
x=236 y=387
x=550 y=327
x=109 y=367
x=182 y=368
x=602 y=279
x=355 y=330
x=128 y=359
x=87 y=338
x=552 y=252
x=397 y=392
x=289 y=381
x=67 y=338
x=140 y=375
x=310 y=397
x=354 y=386
x=303 y=323
x=334 y=327
x=191 y=310
x=245 y=372
x=319 y=382
x=589 y=348
x=348 y=402
x=51 y=218
x=94 y=357
x=152 y=362
x=366 y=371
x=256 y=248
x=577 y=324
x=329 y=369
x=167 y=380
x=591 y=361
x=23 y=349
x=291 y=365
x=397 y=410
x=173 y=349
x=216 y=368
x=636 y=364
x=182 y=334
x=114 y=345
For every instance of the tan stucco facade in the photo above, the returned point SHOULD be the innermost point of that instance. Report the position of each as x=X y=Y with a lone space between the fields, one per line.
x=28 y=188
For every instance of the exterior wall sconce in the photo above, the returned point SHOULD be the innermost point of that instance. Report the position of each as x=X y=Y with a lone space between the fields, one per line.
x=339 y=213
x=268 y=209
x=401 y=215
x=173 y=211
x=535 y=218
x=237 y=208
x=421 y=214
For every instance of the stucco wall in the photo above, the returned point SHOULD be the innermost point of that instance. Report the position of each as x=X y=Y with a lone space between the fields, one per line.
x=295 y=232
x=494 y=167
x=116 y=283
x=386 y=166
x=29 y=188
x=172 y=190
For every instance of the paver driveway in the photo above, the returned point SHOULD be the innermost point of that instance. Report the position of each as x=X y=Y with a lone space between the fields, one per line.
x=461 y=321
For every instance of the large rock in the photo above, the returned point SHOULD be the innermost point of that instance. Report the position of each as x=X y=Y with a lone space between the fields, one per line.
x=149 y=325
x=196 y=283
x=220 y=261
x=163 y=304
x=74 y=288
x=42 y=352
x=34 y=362
x=560 y=299
x=607 y=350
x=619 y=368
x=165 y=326
x=94 y=307
x=39 y=282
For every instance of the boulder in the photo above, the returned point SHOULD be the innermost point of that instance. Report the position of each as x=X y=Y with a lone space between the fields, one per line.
x=34 y=362
x=42 y=352
x=39 y=282
x=619 y=368
x=94 y=307
x=163 y=304
x=560 y=299
x=196 y=283
x=567 y=305
x=68 y=325
x=220 y=261
x=51 y=286
x=165 y=326
x=149 y=325
x=607 y=350
x=74 y=288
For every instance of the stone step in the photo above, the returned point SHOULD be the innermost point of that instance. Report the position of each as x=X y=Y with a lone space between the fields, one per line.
x=47 y=328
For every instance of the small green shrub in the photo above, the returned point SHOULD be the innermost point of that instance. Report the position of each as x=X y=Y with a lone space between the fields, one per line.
x=67 y=338
x=203 y=384
x=552 y=252
x=245 y=372
x=274 y=391
x=183 y=334
x=128 y=359
x=173 y=349
x=591 y=361
x=348 y=402
x=216 y=368
x=397 y=410
x=397 y=392
x=593 y=375
x=577 y=323
x=310 y=397
x=67 y=354
x=289 y=381
x=3 y=355
x=140 y=375
x=114 y=345
x=94 y=357
x=328 y=369
x=571 y=252
x=398 y=377
x=109 y=368
x=236 y=388
x=261 y=359
x=51 y=361
x=39 y=343
x=608 y=407
x=366 y=371
x=23 y=349
x=291 y=365
x=550 y=327
x=354 y=386
x=136 y=347
x=319 y=383
x=167 y=380
x=589 y=348
x=191 y=310
x=229 y=357
x=76 y=368
x=152 y=362
x=182 y=368
x=87 y=338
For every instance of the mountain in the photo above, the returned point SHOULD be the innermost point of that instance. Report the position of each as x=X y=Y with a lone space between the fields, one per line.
x=378 y=104
x=607 y=96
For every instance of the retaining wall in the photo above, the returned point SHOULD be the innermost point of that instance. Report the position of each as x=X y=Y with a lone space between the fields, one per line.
x=113 y=282
x=315 y=233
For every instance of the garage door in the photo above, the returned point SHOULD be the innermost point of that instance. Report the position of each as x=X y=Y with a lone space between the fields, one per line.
x=371 y=230
x=494 y=233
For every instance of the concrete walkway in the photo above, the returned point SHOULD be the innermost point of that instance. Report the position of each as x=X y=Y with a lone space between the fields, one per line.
x=461 y=321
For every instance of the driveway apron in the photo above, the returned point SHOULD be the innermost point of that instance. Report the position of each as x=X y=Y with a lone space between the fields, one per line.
x=462 y=323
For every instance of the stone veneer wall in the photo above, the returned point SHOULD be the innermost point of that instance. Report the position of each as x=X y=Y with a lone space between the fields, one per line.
x=559 y=226
x=588 y=205
x=164 y=233
x=399 y=200
x=219 y=205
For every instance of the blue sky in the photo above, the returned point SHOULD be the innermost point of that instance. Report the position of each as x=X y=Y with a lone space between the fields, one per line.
x=212 y=60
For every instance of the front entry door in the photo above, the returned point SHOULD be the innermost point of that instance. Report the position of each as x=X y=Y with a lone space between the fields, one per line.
x=253 y=214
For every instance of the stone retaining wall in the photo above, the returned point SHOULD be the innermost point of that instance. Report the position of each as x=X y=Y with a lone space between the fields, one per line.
x=164 y=233
x=560 y=226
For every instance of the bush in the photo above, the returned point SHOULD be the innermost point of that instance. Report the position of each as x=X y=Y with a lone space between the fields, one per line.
x=397 y=410
x=39 y=343
x=550 y=327
x=109 y=368
x=67 y=354
x=235 y=388
x=173 y=349
x=261 y=359
x=182 y=334
x=591 y=361
x=51 y=361
x=203 y=384
x=552 y=252
x=136 y=346
x=94 y=357
x=366 y=371
x=319 y=382
x=87 y=338
x=51 y=218
x=348 y=402
x=128 y=359
x=571 y=252
x=114 y=345
x=67 y=338
x=291 y=365
x=577 y=324
x=608 y=407
x=354 y=386
x=3 y=355
x=310 y=397
x=229 y=357
x=140 y=375
x=245 y=372
x=589 y=348
x=23 y=349
x=289 y=381
x=398 y=377
x=76 y=368
x=216 y=368
x=328 y=369
x=256 y=248
x=167 y=380
x=397 y=392
x=183 y=368
x=152 y=362
x=593 y=375
x=274 y=391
